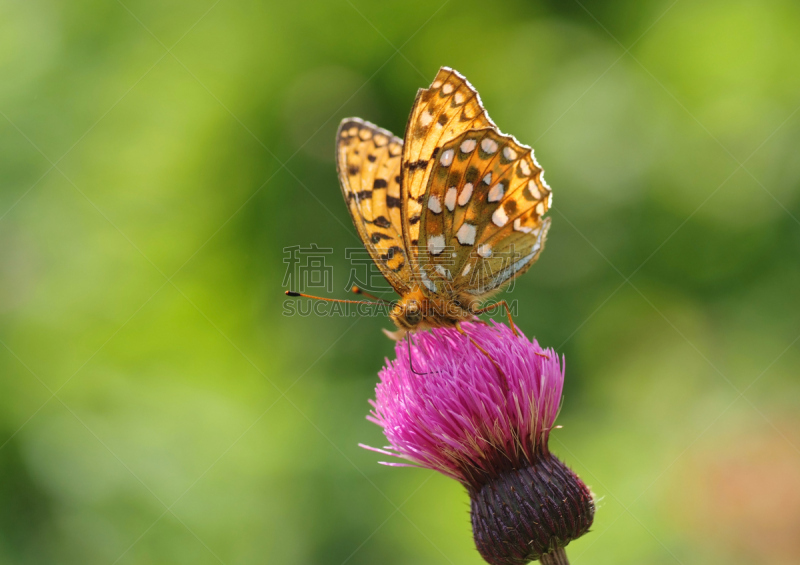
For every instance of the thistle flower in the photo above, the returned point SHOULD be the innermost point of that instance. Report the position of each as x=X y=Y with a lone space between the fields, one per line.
x=445 y=405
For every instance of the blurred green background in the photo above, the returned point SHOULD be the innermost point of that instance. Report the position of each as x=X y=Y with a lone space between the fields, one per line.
x=156 y=406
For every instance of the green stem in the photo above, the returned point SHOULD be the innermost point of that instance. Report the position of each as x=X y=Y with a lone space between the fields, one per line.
x=556 y=557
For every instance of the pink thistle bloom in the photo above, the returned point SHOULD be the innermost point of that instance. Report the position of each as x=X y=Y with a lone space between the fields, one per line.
x=455 y=413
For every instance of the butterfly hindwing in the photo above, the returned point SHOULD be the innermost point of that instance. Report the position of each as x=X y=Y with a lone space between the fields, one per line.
x=442 y=112
x=368 y=161
x=482 y=214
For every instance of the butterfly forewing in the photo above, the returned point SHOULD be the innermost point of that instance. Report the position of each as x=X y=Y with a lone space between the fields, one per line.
x=442 y=112
x=482 y=214
x=368 y=160
x=455 y=209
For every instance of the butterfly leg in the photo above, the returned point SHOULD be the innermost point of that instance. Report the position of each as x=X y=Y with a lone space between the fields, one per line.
x=508 y=312
x=504 y=379
x=410 y=360
x=396 y=335
x=511 y=321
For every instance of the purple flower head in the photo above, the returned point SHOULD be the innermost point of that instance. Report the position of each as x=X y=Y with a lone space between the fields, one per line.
x=484 y=419
x=462 y=417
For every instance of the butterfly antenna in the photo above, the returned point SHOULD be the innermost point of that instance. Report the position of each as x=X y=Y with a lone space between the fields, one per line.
x=357 y=290
x=301 y=295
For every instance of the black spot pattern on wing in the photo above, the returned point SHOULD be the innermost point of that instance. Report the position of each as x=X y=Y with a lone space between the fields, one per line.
x=368 y=159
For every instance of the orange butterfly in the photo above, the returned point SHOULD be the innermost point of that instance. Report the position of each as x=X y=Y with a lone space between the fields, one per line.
x=452 y=213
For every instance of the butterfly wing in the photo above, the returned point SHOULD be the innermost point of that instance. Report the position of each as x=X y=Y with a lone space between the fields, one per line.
x=482 y=221
x=368 y=161
x=450 y=107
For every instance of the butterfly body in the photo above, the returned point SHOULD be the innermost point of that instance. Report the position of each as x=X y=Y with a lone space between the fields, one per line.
x=416 y=311
x=450 y=214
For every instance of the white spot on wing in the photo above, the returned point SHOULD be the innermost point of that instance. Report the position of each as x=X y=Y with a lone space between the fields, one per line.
x=447 y=88
x=466 y=234
x=487 y=178
x=444 y=272
x=509 y=154
x=534 y=190
x=434 y=205
x=485 y=250
x=519 y=227
x=447 y=157
x=436 y=244
x=426 y=118
x=489 y=145
x=450 y=198
x=540 y=208
x=459 y=97
x=524 y=167
x=465 y=195
x=468 y=145
x=423 y=275
x=496 y=192
x=500 y=218
x=466 y=269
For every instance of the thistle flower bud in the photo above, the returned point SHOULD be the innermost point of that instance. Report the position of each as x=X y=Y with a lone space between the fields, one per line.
x=484 y=419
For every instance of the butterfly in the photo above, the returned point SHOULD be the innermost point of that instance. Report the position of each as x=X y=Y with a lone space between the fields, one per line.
x=451 y=213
